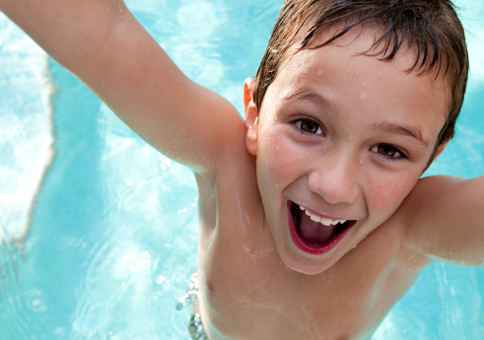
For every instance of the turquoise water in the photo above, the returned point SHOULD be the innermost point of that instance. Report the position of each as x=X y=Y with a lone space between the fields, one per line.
x=105 y=247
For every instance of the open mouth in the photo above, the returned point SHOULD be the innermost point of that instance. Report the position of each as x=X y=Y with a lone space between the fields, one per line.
x=313 y=234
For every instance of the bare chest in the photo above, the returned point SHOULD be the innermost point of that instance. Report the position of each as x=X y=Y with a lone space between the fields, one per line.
x=248 y=292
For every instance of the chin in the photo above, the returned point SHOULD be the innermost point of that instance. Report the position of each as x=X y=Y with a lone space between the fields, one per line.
x=307 y=267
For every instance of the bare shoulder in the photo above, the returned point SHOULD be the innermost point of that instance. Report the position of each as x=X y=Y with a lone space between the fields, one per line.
x=442 y=218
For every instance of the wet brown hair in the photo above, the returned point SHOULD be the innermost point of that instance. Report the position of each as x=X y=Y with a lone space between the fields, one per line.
x=431 y=27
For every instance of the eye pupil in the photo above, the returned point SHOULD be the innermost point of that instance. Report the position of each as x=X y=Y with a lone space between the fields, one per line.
x=386 y=150
x=309 y=126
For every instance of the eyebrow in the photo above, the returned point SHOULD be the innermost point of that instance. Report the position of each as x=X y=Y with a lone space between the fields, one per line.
x=408 y=131
x=313 y=97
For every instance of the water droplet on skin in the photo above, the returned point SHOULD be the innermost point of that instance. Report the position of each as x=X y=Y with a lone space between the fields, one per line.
x=380 y=75
x=357 y=73
x=363 y=96
x=361 y=161
x=320 y=72
x=121 y=10
x=348 y=70
x=365 y=85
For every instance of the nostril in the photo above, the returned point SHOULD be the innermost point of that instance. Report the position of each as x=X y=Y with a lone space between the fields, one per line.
x=333 y=186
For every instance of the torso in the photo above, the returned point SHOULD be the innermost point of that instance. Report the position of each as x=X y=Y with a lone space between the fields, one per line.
x=248 y=293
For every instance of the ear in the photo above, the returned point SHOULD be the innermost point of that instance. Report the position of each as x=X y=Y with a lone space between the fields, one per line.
x=251 y=117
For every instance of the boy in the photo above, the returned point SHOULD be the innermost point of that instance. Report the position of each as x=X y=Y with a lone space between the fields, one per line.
x=314 y=221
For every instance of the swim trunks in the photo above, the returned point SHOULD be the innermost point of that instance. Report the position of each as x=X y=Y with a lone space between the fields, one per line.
x=195 y=327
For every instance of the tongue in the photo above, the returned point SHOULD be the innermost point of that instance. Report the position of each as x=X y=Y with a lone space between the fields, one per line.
x=314 y=232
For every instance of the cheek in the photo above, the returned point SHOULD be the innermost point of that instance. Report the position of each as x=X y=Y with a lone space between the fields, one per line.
x=386 y=193
x=278 y=159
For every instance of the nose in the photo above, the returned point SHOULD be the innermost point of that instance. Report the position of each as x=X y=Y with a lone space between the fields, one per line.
x=335 y=179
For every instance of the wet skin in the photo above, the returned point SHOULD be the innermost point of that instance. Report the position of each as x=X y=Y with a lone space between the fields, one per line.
x=347 y=137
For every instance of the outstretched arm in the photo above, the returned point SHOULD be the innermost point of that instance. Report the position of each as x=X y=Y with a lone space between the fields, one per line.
x=446 y=219
x=102 y=43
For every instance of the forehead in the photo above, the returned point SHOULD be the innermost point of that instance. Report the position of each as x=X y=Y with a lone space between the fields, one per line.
x=358 y=42
x=344 y=77
x=349 y=52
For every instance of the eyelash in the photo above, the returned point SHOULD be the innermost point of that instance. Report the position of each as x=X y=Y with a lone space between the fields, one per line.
x=298 y=124
x=392 y=149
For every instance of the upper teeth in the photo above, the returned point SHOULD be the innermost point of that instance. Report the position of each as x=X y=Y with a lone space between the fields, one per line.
x=324 y=221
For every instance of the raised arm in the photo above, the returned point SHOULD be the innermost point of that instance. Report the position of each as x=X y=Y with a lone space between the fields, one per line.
x=446 y=219
x=102 y=43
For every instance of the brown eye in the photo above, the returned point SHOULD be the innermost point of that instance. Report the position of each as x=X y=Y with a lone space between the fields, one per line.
x=388 y=151
x=309 y=126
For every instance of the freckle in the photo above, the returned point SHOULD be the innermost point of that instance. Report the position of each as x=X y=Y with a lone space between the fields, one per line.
x=320 y=72
x=357 y=73
x=365 y=85
x=380 y=75
x=363 y=96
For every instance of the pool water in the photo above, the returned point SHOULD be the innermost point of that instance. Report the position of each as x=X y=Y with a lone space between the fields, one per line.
x=99 y=232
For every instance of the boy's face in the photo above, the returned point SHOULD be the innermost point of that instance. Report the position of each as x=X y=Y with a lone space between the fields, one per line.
x=346 y=137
